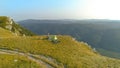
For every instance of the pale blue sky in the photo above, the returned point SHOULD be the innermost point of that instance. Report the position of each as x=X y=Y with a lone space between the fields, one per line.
x=60 y=9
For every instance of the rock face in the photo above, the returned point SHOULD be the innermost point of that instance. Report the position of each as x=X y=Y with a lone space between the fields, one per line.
x=9 y=24
x=9 y=27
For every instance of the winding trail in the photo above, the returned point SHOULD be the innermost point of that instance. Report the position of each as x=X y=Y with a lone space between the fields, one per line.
x=46 y=62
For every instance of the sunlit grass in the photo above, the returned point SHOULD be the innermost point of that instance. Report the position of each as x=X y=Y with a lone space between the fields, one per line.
x=16 y=61
x=5 y=33
x=68 y=51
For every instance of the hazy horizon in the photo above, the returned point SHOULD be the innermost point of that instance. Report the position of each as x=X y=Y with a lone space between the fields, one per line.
x=60 y=9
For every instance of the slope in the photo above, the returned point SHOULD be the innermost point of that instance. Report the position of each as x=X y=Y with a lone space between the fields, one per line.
x=9 y=24
x=5 y=33
x=16 y=61
x=100 y=34
x=68 y=53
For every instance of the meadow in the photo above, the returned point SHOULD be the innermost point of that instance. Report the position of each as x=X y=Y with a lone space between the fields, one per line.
x=69 y=52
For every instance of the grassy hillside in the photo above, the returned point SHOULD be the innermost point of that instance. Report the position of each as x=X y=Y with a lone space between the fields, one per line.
x=5 y=33
x=9 y=24
x=16 y=61
x=68 y=52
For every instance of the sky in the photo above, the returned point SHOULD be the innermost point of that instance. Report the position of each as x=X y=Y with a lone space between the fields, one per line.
x=60 y=9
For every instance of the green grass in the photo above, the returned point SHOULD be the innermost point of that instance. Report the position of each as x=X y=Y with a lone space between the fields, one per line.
x=3 y=20
x=71 y=53
x=16 y=28
x=16 y=61
x=5 y=33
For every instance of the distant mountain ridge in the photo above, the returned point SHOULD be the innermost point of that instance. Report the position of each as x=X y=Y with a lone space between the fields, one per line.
x=71 y=20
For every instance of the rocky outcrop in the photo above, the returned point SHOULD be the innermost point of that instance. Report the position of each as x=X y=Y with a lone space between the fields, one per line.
x=9 y=24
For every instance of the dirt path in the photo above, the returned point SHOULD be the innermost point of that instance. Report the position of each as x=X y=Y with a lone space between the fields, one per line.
x=46 y=62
